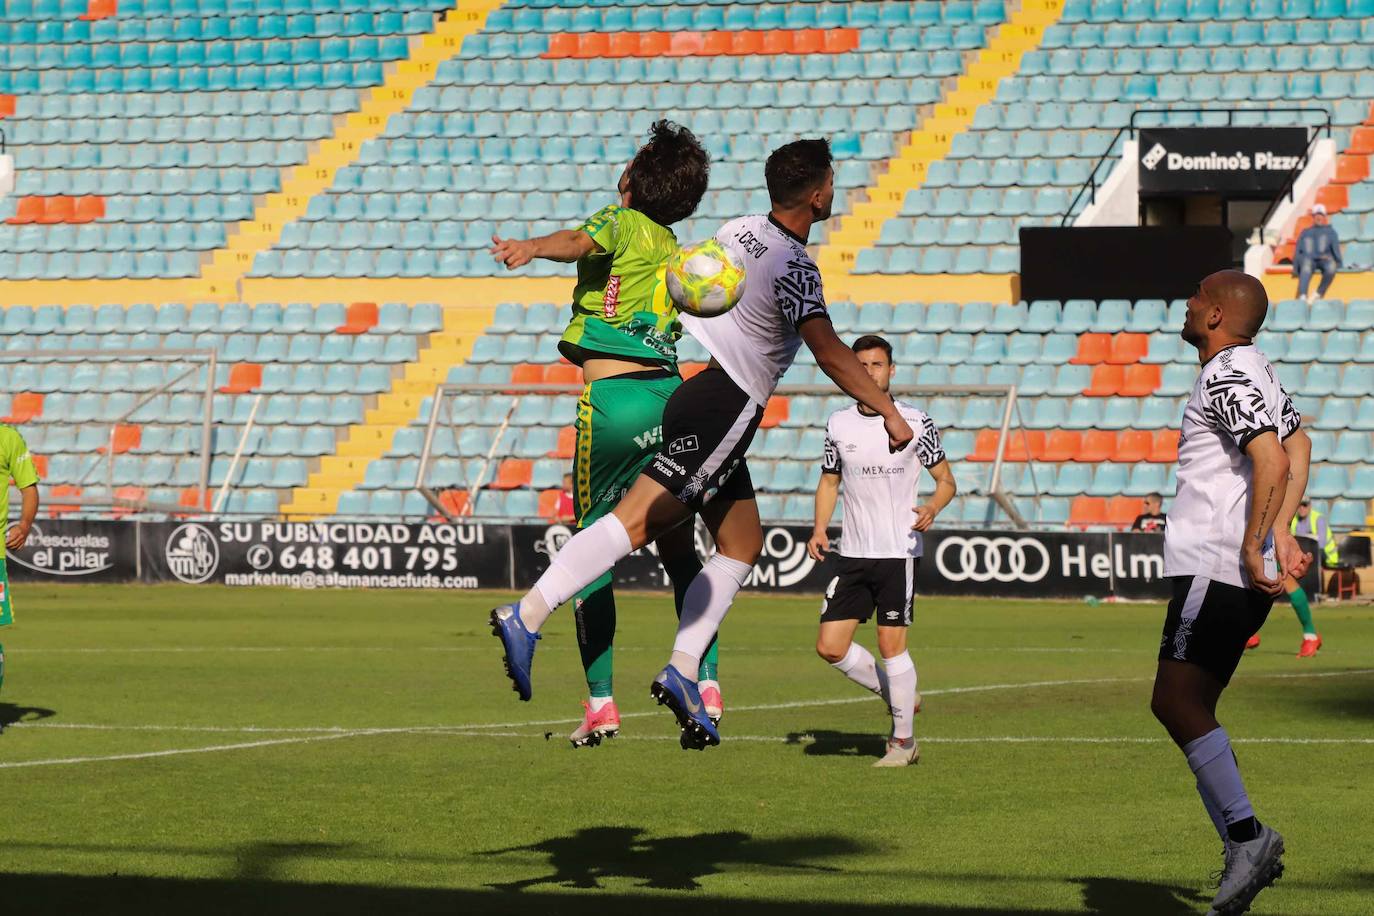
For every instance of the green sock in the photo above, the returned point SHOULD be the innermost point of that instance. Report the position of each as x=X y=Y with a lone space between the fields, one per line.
x=2 y=667
x=594 y=611
x=1303 y=610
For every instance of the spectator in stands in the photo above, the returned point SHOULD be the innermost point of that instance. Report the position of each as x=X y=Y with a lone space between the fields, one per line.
x=1311 y=524
x=1318 y=248
x=1153 y=519
x=566 y=511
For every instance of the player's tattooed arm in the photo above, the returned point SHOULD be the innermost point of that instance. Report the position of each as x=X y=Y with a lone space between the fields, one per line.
x=1268 y=489
x=565 y=245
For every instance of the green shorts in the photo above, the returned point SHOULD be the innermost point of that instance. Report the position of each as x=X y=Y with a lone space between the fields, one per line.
x=6 y=609
x=619 y=428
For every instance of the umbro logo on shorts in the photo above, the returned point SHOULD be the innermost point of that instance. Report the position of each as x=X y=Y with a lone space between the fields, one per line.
x=683 y=444
x=894 y=615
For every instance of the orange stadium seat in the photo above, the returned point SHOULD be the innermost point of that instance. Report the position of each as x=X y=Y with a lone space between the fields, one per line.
x=63 y=498
x=746 y=43
x=1098 y=446
x=592 y=44
x=778 y=41
x=985 y=445
x=563 y=374
x=127 y=437
x=360 y=318
x=1334 y=197
x=1106 y=381
x=192 y=498
x=40 y=464
x=1351 y=169
x=841 y=41
x=1025 y=445
x=28 y=210
x=1128 y=348
x=1361 y=140
x=561 y=45
x=1164 y=448
x=714 y=44
x=99 y=9
x=1141 y=379
x=243 y=378
x=685 y=44
x=1092 y=349
x=527 y=374
x=775 y=412
x=1122 y=510
x=455 y=501
x=1087 y=511
x=7 y=102
x=808 y=41
x=548 y=503
x=1063 y=445
x=1134 y=445
x=567 y=443
x=26 y=406
x=58 y=209
x=623 y=44
x=513 y=474
x=653 y=44
x=88 y=209
x=689 y=369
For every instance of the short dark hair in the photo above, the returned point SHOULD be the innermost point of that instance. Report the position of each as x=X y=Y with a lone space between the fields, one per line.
x=1157 y=496
x=795 y=169
x=873 y=342
x=669 y=174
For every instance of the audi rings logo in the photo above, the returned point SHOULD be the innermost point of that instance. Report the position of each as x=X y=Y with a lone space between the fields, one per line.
x=1000 y=559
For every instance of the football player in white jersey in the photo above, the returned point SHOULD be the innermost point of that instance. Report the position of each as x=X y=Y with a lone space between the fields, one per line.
x=1242 y=468
x=881 y=546
x=708 y=425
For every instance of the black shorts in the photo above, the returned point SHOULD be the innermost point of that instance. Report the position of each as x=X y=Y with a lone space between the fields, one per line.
x=1208 y=624
x=708 y=424
x=862 y=586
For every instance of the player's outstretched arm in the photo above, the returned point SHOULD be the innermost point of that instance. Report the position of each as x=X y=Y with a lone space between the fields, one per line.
x=827 y=493
x=945 y=490
x=1292 y=558
x=1268 y=494
x=566 y=245
x=839 y=362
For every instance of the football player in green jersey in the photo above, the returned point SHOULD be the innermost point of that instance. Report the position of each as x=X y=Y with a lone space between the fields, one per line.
x=624 y=333
x=15 y=464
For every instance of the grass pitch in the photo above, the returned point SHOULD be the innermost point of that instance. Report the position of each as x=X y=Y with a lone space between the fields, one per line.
x=204 y=750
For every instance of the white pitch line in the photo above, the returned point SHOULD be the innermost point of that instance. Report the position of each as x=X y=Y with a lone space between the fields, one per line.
x=215 y=748
x=926 y=739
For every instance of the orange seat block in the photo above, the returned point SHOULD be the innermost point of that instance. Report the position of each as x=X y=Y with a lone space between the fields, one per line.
x=243 y=378
x=99 y=9
x=1284 y=252
x=1087 y=511
x=6 y=105
x=88 y=209
x=26 y=406
x=1092 y=349
x=776 y=412
x=455 y=501
x=714 y=44
x=685 y=44
x=1063 y=445
x=592 y=44
x=841 y=41
x=623 y=44
x=40 y=464
x=1025 y=445
x=1134 y=445
x=1128 y=348
x=1351 y=169
x=1098 y=446
x=1141 y=379
x=194 y=498
x=561 y=45
x=562 y=374
x=59 y=209
x=1106 y=381
x=126 y=438
x=985 y=445
x=1122 y=510
x=513 y=473
x=548 y=503
x=360 y=318
x=29 y=210
x=63 y=498
x=746 y=43
x=653 y=44
x=1164 y=446
x=1334 y=197
x=808 y=41
x=567 y=443
x=527 y=374
x=778 y=41
x=687 y=370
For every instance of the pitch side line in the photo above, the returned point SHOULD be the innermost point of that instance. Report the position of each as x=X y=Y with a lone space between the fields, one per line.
x=215 y=748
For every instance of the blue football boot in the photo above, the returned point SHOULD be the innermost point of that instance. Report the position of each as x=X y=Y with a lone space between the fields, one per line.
x=518 y=642
x=680 y=695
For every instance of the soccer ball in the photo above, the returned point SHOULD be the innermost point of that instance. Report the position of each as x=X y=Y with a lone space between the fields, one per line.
x=705 y=279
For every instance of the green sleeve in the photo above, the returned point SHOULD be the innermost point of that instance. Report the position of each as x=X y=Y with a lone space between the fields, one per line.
x=604 y=228
x=22 y=471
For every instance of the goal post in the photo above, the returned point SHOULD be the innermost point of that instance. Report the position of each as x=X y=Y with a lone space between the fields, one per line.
x=440 y=416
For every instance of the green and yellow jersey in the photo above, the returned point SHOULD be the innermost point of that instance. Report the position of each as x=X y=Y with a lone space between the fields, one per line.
x=15 y=464
x=621 y=307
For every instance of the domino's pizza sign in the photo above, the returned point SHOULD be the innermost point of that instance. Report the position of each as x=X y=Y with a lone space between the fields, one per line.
x=1232 y=161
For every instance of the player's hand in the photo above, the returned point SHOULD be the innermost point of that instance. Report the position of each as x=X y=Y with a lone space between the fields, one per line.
x=17 y=536
x=818 y=545
x=1293 y=560
x=925 y=517
x=1253 y=558
x=899 y=434
x=512 y=252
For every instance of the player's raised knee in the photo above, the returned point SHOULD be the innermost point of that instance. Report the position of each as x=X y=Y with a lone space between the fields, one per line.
x=832 y=652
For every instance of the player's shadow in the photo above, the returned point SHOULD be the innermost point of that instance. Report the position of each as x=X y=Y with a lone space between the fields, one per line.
x=11 y=713
x=592 y=854
x=826 y=743
x=1119 y=897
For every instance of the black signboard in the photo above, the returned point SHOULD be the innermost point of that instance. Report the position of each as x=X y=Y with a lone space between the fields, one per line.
x=1232 y=161
x=76 y=551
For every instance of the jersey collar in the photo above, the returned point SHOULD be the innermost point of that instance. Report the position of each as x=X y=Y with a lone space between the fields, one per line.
x=1224 y=349
x=787 y=232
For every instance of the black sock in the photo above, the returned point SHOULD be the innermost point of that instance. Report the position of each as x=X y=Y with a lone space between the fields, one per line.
x=1243 y=831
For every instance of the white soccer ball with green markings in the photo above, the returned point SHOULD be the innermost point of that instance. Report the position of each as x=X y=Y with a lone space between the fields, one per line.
x=705 y=279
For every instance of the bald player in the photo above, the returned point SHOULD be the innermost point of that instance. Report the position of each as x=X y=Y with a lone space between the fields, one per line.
x=1242 y=468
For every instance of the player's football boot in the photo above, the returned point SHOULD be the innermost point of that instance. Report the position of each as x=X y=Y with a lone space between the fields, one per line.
x=680 y=695
x=1250 y=868
x=518 y=642
x=604 y=723
x=899 y=755
x=710 y=698
x=1252 y=642
x=1310 y=645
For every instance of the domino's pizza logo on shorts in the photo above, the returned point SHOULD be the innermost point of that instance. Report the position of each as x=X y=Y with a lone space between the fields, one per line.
x=192 y=553
x=683 y=444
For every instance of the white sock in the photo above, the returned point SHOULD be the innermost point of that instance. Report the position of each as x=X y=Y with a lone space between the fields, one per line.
x=580 y=562
x=860 y=667
x=704 y=606
x=596 y=703
x=1213 y=811
x=1218 y=777
x=901 y=679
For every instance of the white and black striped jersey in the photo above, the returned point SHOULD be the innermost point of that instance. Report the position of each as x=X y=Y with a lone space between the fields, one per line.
x=1237 y=397
x=756 y=341
x=879 y=487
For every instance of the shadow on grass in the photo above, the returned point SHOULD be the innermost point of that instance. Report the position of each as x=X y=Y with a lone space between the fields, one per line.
x=10 y=714
x=1120 y=897
x=586 y=857
x=823 y=743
